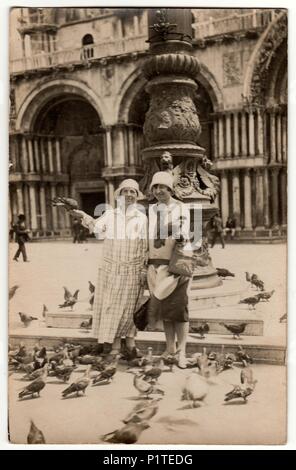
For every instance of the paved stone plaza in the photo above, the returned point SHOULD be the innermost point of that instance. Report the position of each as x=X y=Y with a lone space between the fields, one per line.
x=84 y=419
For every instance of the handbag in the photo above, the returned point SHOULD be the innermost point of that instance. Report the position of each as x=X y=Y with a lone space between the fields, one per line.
x=184 y=260
x=141 y=315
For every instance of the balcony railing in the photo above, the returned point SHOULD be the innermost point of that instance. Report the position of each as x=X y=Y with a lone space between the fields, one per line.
x=79 y=55
x=229 y=24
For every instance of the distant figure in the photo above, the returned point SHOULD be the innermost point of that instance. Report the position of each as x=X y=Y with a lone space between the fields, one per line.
x=12 y=231
x=77 y=229
x=230 y=227
x=215 y=227
x=21 y=237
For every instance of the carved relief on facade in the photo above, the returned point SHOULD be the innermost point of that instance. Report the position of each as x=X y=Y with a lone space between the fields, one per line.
x=232 y=68
x=107 y=80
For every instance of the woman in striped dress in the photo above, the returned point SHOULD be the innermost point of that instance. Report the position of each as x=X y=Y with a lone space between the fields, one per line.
x=123 y=267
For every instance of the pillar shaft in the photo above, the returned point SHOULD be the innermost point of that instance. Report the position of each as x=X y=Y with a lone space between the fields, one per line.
x=260 y=131
x=224 y=197
x=251 y=134
x=109 y=157
x=20 y=199
x=27 y=205
x=221 y=137
x=111 y=193
x=216 y=140
x=275 y=197
x=228 y=135
x=24 y=156
x=279 y=138
x=272 y=138
x=43 y=155
x=131 y=146
x=259 y=198
x=31 y=156
x=50 y=156
x=53 y=193
x=58 y=155
x=236 y=195
x=235 y=135
x=244 y=142
x=284 y=138
x=33 y=211
x=283 y=196
x=118 y=149
x=43 y=207
x=247 y=200
x=36 y=154
x=266 y=217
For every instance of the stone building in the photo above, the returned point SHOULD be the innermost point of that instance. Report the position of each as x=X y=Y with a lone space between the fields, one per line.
x=78 y=104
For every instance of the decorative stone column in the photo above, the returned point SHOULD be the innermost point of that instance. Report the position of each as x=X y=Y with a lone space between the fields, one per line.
x=20 y=199
x=228 y=135
x=58 y=155
x=27 y=205
x=54 y=210
x=216 y=140
x=131 y=152
x=109 y=157
x=50 y=155
x=235 y=135
x=266 y=217
x=244 y=142
x=172 y=125
x=284 y=195
x=259 y=198
x=275 y=197
x=260 y=132
x=272 y=138
x=33 y=211
x=118 y=151
x=43 y=155
x=43 y=207
x=247 y=200
x=24 y=156
x=31 y=156
x=284 y=138
x=279 y=138
x=36 y=155
x=224 y=197
x=221 y=137
x=236 y=196
x=251 y=133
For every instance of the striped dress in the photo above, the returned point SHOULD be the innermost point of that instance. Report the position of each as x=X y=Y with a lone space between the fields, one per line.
x=125 y=252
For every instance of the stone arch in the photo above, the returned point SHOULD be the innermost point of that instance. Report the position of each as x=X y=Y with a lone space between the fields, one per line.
x=209 y=82
x=276 y=92
x=128 y=92
x=257 y=72
x=44 y=93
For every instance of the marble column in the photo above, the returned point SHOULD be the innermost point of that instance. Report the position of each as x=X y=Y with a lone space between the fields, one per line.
x=118 y=148
x=224 y=196
x=53 y=193
x=279 y=138
x=259 y=198
x=251 y=133
x=67 y=216
x=36 y=155
x=43 y=207
x=221 y=137
x=111 y=193
x=31 y=156
x=14 y=205
x=266 y=217
x=50 y=155
x=43 y=155
x=284 y=138
x=24 y=156
x=20 y=199
x=109 y=157
x=247 y=200
x=272 y=138
x=244 y=142
x=260 y=133
x=228 y=135
x=235 y=135
x=284 y=195
x=33 y=210
x=216 y=140
x=275 y=197
x=131 y=146
x=236 y=195
x=58 y=155
x=27 y=205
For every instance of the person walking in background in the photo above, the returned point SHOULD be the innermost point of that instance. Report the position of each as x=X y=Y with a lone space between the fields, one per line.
x=217 y=230
x=230 y=227
x=21 y=237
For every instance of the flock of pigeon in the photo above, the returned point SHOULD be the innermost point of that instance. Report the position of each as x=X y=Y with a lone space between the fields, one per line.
x=40 y=363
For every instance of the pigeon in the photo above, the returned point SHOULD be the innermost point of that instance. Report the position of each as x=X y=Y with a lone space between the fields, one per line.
x=283 y=318
x=265 y=295
x=171 y=360
x=63 y=373
x=70 y=300
x=129 y=434
x=143 y=411
x=257 y=283
x=66 y=202
x=222 y=272
x=254 y=277
x=92 y=294
x=12 y=291
x=248 y=277
x=87 y=324
x=223 y=361
x=44 y=311
x=243 y=357
x=201 y=330
x=239 y=392
x=35 y=435
x=26 y=319
x=145 y=388
x=247 y=376
x=35 y=374
x=79 y=386
x=36 y=386
x=195 y=390
x=250 y=301
x=108 y=373
x=154 y=372
x=236 y=330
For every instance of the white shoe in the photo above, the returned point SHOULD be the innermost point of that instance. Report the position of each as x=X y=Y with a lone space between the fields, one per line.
x=182 y=362
x=166 y=354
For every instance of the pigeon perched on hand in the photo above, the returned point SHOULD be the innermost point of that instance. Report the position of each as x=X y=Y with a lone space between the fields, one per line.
x=236 y=330
x=26 y=319
x=129 y=434
x=66 y=202
x=250 y=301
x=201 y=330
x=70 y=300
x=222 y=272
x=35 y=435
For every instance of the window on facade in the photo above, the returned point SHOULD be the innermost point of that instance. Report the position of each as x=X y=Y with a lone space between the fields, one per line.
x=87 y=49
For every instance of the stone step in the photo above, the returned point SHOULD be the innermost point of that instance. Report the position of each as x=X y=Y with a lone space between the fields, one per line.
x=269 y=350
x=63 y=319
x=229 y=293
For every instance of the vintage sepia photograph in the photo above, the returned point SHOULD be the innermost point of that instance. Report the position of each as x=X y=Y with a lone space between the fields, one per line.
x=147 y=225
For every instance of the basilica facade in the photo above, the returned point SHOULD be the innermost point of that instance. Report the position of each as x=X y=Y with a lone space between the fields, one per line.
x=78 y=104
